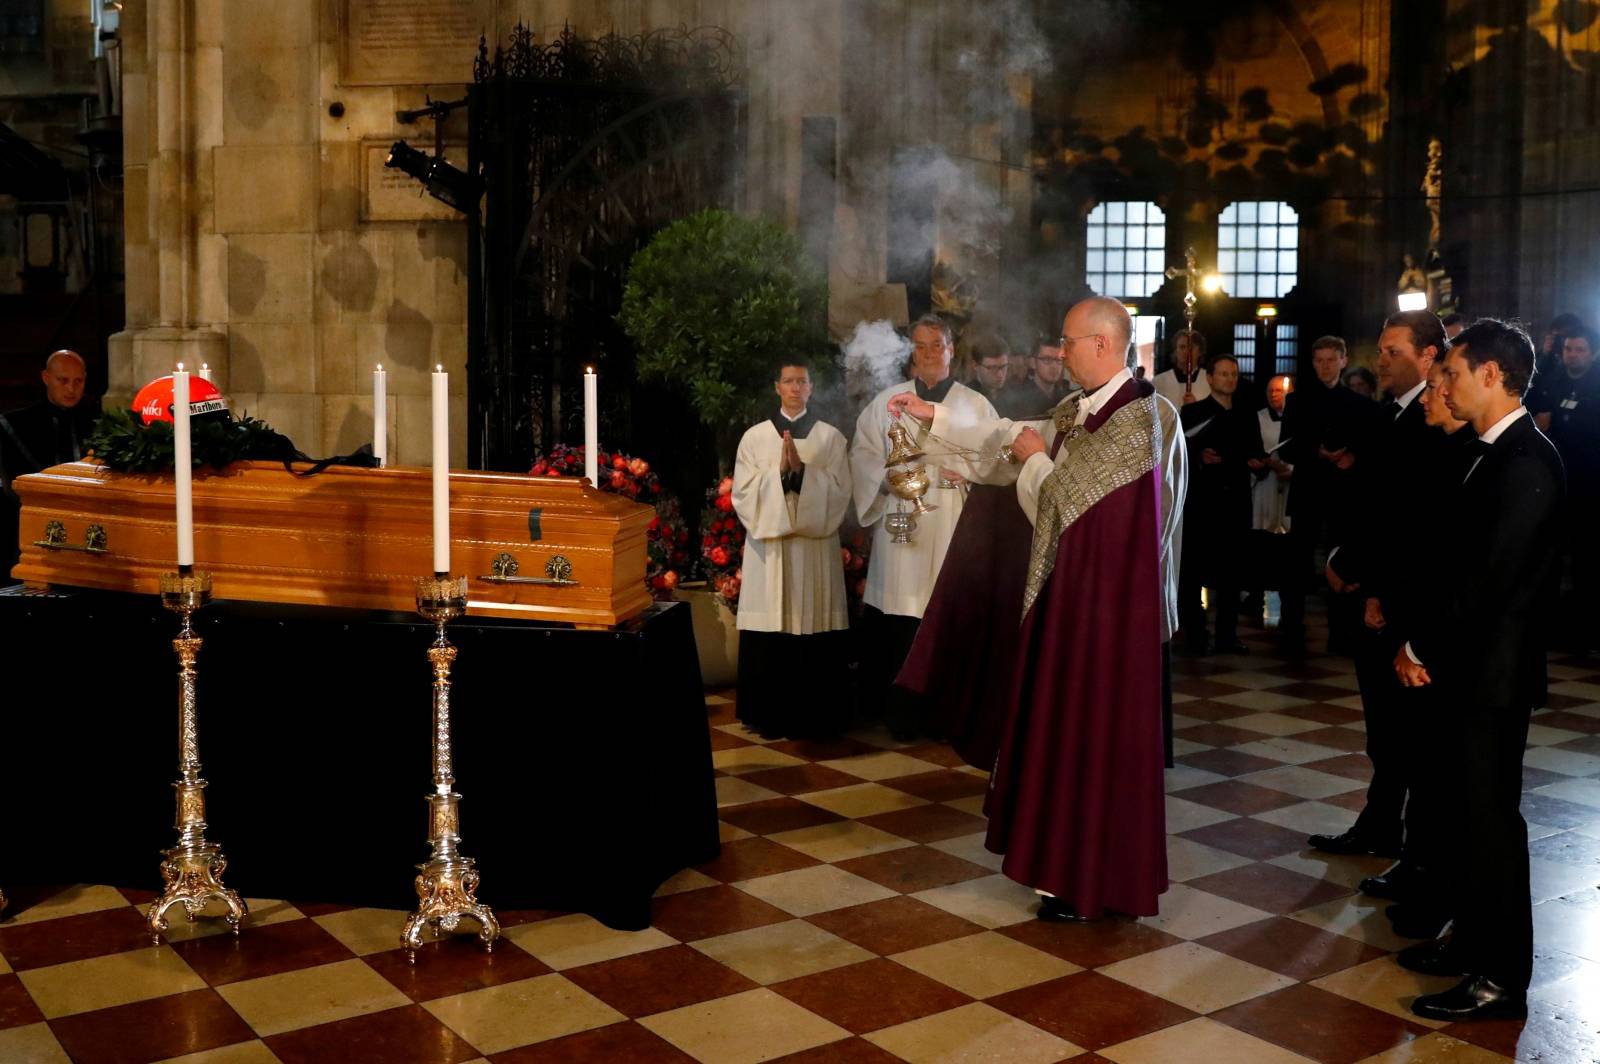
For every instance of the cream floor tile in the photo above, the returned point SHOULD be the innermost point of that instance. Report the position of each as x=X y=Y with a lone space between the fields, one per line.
x=1436 y=1049
x=1566 y=762
x=1544 y=735
x=1184 y=815
x=1386 y=986
x=1272 y=723
x=1577 y=689
x=1539 y=831
x=33 y=1044
x=1356 y=726
x=993 y=901
x=568 y=941
x=1584 y=792
x=1179 y=698
x=365 y=931
x=972 y=1034
x=1187 y=859
x=1302 y=782
x=1359 y=917
x=1190 y=913
x=883 y=765
x=1310 y=818
x=744 y=759
x=1199 y=979
x=117 y=979
x=1289 y=751
x=986 y=964
x=262 y=911
x=74 y=901
x=861 y=799
x=971 y=848
x=5 y=968
x=503 y=1017
x=972 y=803
x=878 y=735
x=726 y=832
x=1200 y=1040
x=238 y=1053
x=840 y=840
x=1182 y=777
x=292 y=1000
x=688 y=879
x=819 y=888
x=1262 y=701
x=718 y=700
x=1345 y=871
x=744 y=1028
x=731 y=790
x=973 y=770
x=1181 y=747
x=1179 y=722
x=777 y=952
x=1254 y=681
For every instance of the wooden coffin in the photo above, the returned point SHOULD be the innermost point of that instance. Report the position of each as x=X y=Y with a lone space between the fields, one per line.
x=541 y=548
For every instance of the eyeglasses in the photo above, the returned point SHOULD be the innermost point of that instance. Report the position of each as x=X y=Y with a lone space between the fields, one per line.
x=1065 y=342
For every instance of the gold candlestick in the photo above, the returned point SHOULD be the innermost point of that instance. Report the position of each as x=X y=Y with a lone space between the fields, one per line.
x=192 y=869
x=448 y=882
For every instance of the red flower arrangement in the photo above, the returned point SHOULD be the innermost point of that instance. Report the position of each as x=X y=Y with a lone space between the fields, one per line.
x=667 y=539
x=722 y=544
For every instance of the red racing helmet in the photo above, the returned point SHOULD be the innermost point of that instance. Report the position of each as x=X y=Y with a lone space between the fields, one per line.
x=154 y=401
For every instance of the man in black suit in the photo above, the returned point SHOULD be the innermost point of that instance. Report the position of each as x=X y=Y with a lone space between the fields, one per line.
x=1481 y=645
x=37 y=437
x=1386 y=540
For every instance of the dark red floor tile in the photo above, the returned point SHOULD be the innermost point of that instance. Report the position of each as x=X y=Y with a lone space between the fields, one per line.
x=872 y=995
x=748 y=858
x=138 y=895
x=1207 y=710
x=696 y=914
x=799 y=779
x=914 y=868
x=778 y=814
x=644 y=984
x=258 y=951
x=407 y=1035
x=74 y=938
x=1201 y=687
x=1335 y=738
x=322 y=908
x=1571 y=721
x=455 y=965
x=1091 y=1010
x=1320 y=709
x=151 y=1030
x=1291 y=948
x=1093 y=944
x=723 y=713
x=1355 y=800
x=1270 y=888
x=16 y=1007
x=894 y=925
x=1351 y=766
x=926 y=823
x=824 y=749
x=937 y=754
x=1216 y=734
x=943 y=786
x=1250 y=838
x=1560 y=702
x=615 y=1044
x=1228 y=762
x=848 y=1051
x=1555 y=813
x=1316 y=1024
x=1236 y=796
x=721 y=740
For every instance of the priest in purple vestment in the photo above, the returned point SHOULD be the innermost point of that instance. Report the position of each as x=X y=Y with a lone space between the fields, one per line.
x=1076 y=800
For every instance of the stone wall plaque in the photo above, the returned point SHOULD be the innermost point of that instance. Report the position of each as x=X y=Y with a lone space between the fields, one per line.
x=412 y=42
x=392 y=196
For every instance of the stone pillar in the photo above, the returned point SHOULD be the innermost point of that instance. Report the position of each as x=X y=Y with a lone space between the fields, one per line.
x=172 y=90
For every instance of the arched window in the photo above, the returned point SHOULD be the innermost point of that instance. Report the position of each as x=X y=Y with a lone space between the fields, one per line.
x=1258 y=249
x=1127 y=249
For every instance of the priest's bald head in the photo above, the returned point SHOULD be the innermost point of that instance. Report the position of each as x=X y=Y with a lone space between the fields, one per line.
x=1094 y=340
x=64 y=377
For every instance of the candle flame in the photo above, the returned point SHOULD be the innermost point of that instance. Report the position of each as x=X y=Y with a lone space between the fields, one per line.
x=180 y=367
x=380 y=367
x=589 y=370
x=439 y=368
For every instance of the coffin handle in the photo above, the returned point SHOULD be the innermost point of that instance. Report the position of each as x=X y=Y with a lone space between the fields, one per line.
x=558 y=572
x=55 y=538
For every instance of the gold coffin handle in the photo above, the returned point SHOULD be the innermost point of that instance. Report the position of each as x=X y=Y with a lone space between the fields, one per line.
x=558 y=572
x=55 y=538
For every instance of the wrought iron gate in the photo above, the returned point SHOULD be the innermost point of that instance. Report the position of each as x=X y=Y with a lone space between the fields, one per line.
x=587 y=147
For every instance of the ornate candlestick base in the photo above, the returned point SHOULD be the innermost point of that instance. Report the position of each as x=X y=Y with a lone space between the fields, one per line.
x=448 y=883
x=193 y=869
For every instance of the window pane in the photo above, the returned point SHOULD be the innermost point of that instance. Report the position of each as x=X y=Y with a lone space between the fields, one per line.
x=1229 y=215
x=1227 y=261
x=1267 y=262
x=1097 y=236
x=1097 y=262
x=1153 y=262
x=1156 y=237
x=1115 y=261
x=1136 y=212
x=1098 y=215
x=1288 y=215
x=1289 y=236
x=1116 y=212
x=1096 y=283
x=1247 y=213
x=1269 y=212
x=1131 y=284
x=1247 y=287
x=1247 y=262
x=1227 y=237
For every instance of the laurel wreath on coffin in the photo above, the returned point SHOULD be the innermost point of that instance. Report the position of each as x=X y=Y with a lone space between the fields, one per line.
x=125 y=444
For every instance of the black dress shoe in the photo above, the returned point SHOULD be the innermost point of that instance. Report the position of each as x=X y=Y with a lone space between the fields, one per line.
x=1474 y=998
x=1396 y=883
x=1431 y=958
x=1234 y=647
x=1351 y=843
x=1056 y=911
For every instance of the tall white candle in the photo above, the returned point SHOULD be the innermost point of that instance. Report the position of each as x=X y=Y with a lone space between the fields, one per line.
x=205 y=371
x=183 y=466
x=441 y=470
x=591 y=426
x=380 y=416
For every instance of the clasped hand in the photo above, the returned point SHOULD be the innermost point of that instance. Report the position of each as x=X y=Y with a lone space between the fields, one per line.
x=790 y=461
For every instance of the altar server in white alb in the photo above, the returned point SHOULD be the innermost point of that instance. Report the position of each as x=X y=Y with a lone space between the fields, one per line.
x=791 y=486
x=900 y=576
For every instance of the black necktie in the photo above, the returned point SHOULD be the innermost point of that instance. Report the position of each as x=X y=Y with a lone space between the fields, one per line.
x=1392 y=408
x=1480 y=451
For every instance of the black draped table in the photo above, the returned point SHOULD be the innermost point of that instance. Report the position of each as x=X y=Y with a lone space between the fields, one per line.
x=582 y=757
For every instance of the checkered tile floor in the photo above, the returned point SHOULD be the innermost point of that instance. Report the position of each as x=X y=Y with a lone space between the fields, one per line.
x=854 y=915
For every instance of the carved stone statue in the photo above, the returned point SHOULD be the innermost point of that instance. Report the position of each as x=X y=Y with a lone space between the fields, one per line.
x=1433 y=189
x=1412 y=279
